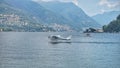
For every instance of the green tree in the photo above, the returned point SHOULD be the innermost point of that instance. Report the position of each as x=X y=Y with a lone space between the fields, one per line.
x=118 y=18
x=114 y=26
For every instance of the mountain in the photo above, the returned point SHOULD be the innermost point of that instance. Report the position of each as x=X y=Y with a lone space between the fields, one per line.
x=71 y=12
x=36 y=10
x=41 y=14
x=15 y=19
x=113 y=26
x=106 y=17
x=27 y=15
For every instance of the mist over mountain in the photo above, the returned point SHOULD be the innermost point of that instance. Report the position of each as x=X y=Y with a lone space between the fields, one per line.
x=106 y=17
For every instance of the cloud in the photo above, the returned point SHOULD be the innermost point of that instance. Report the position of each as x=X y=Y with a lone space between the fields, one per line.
x=102 y=10
x=109 y=4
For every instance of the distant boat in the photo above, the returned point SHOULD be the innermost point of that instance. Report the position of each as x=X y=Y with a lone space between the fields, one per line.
x=87 y=34
x=59 y=37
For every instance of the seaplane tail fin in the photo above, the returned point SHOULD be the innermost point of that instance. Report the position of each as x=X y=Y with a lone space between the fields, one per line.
x=69 y=37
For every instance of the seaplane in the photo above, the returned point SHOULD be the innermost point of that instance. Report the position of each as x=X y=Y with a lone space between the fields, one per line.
x=59 y=39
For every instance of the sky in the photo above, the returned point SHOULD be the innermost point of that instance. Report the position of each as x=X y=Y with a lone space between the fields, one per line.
x=93 y=7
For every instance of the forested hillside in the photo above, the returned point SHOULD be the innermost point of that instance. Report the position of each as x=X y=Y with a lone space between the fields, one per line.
x=114 y=26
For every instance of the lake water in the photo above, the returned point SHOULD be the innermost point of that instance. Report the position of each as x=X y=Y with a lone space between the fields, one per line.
x=34 y=50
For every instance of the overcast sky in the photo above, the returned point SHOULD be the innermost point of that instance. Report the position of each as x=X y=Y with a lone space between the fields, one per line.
x=92 y=7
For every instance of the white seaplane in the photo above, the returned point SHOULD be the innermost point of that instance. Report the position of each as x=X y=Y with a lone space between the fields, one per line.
x=59 y=39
